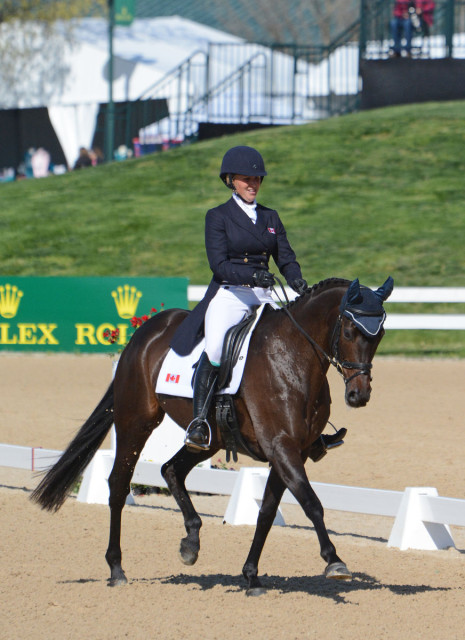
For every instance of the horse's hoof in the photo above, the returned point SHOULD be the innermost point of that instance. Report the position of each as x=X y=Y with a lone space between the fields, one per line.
x=338 y=571
x=255 y=591
x=117 y=582
x=188 y=556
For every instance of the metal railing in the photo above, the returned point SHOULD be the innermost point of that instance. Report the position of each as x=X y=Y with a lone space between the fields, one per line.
x=244 y=83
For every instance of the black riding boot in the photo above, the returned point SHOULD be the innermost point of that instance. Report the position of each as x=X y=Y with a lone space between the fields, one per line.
x=198 y=435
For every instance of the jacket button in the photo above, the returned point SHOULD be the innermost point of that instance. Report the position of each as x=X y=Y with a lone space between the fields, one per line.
x=262 y=263
x=246 y=259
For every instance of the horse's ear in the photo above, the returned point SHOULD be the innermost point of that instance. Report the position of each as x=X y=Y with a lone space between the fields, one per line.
x=385 y=291
x=353 y=292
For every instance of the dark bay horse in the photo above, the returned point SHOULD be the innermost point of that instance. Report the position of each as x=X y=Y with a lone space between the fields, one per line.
x=283 y=405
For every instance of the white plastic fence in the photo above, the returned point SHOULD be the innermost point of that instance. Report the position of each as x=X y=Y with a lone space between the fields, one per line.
x=438 y=295
x=422 y=518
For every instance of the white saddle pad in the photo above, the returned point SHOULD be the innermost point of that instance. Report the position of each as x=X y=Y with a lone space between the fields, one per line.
x=175 y=378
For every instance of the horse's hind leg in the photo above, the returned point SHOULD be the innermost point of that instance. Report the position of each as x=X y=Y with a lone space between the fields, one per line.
x=175 y=472
x=271 y=498
x=130 y=443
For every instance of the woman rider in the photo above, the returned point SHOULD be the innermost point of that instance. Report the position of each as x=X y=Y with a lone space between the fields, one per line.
x=240 y=237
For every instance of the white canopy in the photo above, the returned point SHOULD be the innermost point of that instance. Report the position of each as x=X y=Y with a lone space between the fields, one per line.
x=70 y=77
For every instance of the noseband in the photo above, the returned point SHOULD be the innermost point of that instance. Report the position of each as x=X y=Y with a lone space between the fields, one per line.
x=362 y=368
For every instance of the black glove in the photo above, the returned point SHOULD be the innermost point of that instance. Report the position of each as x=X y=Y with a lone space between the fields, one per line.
x=299 y=285
x=263 y=279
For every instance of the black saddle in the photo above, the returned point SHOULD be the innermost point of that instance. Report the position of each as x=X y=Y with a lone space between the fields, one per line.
x=225 y=412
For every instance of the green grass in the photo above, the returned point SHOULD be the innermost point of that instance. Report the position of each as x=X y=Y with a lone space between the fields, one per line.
x=367 y=195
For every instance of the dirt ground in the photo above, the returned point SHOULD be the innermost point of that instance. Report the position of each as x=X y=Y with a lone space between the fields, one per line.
x=53 y=572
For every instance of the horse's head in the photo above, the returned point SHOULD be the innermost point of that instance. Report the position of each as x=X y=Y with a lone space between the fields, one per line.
x=358 y=331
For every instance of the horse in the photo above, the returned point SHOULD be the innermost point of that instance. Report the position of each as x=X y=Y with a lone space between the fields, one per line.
x=282 y=405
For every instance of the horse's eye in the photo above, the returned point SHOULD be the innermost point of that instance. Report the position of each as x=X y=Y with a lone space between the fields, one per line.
x=347 y=333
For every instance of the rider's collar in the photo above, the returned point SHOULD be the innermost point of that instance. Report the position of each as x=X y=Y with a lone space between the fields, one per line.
x=243 y=204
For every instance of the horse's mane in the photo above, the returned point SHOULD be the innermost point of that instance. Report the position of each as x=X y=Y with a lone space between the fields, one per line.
x=319 y=287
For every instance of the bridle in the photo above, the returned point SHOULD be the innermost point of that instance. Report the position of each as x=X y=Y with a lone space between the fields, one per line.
x=361 y=368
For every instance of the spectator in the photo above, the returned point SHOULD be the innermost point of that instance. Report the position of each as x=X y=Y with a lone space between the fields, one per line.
x=96 y=156
x=84 y=159
x=410 y=16
x=40 y=162
x=425 y=11
x=26 y=167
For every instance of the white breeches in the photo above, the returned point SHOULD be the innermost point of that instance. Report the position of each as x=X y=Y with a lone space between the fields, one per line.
x=231 y=304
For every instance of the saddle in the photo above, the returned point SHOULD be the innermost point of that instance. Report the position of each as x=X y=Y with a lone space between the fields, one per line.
x=225 y=412
x=232 y=344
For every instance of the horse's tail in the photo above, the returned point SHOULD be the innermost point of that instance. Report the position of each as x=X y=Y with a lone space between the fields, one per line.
x=54 y=487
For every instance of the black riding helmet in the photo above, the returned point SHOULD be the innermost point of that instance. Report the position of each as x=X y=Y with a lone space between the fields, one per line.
x=245 y=161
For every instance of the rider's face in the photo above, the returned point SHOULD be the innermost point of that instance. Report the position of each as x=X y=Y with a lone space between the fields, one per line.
x=246 y=186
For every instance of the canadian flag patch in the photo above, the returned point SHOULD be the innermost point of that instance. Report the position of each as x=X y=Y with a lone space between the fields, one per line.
x=171 y=377
x=271 y=230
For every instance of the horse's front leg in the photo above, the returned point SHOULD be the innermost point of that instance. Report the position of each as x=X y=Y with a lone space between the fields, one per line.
x=271 y=498
x=289 y=465
x=175 y=472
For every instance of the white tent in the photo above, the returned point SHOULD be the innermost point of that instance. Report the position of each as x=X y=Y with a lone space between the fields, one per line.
x=71 y=79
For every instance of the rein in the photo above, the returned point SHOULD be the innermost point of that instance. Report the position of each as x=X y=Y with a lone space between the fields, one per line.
x=363 y=368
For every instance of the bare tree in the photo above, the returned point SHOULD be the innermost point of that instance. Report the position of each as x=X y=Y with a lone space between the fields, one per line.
x=333 y=16
x=297 y=21
x=33 y=37
x=48 y=11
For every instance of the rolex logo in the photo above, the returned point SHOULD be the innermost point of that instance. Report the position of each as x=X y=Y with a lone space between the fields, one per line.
x=10 y=297
x=126 y=300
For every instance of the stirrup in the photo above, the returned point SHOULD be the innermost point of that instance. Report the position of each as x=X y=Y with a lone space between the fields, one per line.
x=325 y=442
x=192 y=444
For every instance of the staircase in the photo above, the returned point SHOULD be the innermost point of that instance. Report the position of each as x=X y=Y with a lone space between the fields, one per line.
x=251 y=83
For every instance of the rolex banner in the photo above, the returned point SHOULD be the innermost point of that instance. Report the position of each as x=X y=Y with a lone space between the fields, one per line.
x=81 y=314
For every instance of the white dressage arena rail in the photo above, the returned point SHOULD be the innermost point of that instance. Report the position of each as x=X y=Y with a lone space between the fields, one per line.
x=406 y=295
x=422 y=518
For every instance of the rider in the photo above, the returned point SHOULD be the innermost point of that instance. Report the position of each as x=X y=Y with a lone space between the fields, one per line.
x=240 y=237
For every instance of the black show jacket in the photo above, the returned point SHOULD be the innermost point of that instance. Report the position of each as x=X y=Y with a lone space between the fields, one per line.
x=236 y=249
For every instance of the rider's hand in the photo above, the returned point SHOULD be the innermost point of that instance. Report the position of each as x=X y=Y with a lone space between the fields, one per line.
x=299 y=285
x=263 y=279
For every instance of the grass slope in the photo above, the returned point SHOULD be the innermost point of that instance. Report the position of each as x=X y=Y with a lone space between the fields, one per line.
x=367 y=195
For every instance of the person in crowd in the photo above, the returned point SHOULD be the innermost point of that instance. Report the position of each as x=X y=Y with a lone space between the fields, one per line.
x=96 y=156
x=410 y=16
x=84 y=159
x=240 y=237
x=425 y=12
x=40 y=162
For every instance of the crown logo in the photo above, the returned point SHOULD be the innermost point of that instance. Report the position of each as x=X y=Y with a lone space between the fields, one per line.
x=10 y=297
x=126 y=300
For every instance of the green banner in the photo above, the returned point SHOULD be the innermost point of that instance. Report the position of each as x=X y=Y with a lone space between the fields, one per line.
x=124 y=12
x=75 y=314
